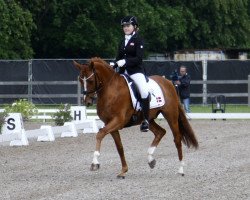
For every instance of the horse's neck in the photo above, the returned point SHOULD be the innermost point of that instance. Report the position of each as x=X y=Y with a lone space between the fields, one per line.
x=106 y=76
x=111 y=83
x=111 y=93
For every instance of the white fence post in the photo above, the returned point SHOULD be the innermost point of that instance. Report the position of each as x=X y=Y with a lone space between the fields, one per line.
x=30 y=79
x=249 y=90
x=204 y=77
x=78 y=92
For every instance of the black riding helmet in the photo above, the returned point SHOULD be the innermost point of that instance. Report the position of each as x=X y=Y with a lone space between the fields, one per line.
x=129 y=20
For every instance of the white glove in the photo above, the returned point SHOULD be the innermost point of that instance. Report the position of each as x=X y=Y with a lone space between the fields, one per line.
x=111 y=64
x=121 y=63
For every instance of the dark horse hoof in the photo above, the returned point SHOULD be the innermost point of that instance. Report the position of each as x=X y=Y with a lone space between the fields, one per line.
x=144 y=126
x=182 y=174
x=152 y=164
x=120 y=177
x=94 y=167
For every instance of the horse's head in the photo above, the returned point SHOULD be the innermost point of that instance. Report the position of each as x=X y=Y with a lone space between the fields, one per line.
x=93 y=76
x=86 y=77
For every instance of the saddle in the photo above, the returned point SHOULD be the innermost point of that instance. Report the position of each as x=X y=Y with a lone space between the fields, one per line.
x=157 y=98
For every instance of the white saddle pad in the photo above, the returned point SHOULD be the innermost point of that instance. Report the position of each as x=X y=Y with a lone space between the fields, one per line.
x=157 y=98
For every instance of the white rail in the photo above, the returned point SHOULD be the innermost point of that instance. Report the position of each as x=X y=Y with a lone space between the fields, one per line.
x=46 y=114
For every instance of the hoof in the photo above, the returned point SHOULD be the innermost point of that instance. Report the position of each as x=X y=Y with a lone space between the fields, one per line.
x=94 y=167
x=152 y=164
x=120 y=176
x=182 y=174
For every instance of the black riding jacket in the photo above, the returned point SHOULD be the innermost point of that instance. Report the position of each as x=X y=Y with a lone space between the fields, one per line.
x=133 y=53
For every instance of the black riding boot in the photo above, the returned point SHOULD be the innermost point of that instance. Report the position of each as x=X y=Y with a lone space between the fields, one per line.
x=145 y=110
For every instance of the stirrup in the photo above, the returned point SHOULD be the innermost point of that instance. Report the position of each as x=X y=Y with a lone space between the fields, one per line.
x=144 y=126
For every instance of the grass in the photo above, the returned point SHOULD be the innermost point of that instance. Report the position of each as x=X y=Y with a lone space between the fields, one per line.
x=229 y=108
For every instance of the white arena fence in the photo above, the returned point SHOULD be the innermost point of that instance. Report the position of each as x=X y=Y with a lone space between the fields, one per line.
x=14 y=132
x=91 y=114
x=49 y=133
x=89 y=124
x=46 y=114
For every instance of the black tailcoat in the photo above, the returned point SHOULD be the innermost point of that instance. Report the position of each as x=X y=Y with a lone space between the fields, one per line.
x=133 y=54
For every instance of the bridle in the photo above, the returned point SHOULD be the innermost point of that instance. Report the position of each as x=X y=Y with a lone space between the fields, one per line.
x=97 y=88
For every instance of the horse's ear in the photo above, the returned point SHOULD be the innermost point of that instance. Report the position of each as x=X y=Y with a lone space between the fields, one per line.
x=77 y=65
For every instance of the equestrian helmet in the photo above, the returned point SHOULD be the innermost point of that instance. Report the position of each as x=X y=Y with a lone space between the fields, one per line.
x=129 y=20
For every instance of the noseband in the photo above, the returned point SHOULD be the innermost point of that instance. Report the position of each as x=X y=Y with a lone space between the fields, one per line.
x=97 y=88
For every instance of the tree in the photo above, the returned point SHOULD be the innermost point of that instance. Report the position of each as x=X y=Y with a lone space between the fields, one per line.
x=80 y=29
x=72 y=28
x=203 y=24
x=168 y=27
x=15 y=31
x=221 y=24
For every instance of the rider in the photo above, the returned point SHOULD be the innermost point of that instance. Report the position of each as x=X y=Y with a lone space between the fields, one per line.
x=129 y=58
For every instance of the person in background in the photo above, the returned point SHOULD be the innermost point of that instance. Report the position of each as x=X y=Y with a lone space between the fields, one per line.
x=129 y=59
x=183 y=84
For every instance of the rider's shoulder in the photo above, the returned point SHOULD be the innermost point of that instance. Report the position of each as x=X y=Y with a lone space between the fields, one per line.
x=138 y=38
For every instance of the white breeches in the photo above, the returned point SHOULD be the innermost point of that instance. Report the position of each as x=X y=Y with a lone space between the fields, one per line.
x=141 y=83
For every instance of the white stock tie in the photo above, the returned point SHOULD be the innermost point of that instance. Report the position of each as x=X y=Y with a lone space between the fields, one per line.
x=127 y=38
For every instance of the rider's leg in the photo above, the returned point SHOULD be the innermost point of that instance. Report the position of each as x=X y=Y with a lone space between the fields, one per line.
x=145 y=110
x=141 y=83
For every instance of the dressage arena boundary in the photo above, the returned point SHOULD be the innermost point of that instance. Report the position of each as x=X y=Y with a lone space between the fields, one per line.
x=88 y=125
x=19 y=136
x=45 y=114
x=49 y=133
x=91 y=114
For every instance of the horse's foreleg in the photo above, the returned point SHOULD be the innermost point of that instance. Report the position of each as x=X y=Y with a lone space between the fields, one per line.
x=110 y=127
x=119 y=146
x=159 y=132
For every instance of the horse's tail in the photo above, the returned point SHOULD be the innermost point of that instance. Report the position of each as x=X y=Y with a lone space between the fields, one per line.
x=188 y=136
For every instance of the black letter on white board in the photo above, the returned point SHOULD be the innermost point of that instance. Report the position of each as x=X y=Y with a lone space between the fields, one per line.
x=77 y=115
x=11 y=122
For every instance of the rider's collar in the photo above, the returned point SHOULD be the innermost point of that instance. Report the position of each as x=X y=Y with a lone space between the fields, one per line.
x=128 y=37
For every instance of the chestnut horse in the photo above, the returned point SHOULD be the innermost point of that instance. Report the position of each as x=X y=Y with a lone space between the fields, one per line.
x=115 y=109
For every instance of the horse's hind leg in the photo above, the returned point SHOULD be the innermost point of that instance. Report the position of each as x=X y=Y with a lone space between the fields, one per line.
x=174 y=126
x=119 y=146
x=159 y=132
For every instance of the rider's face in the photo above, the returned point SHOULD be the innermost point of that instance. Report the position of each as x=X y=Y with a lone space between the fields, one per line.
x=128 y=29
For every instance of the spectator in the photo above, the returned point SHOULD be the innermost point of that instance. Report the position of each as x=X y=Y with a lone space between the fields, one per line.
x=183 y=84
